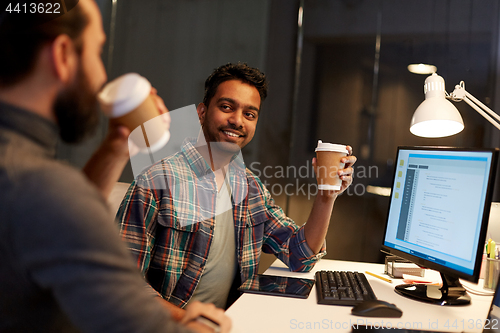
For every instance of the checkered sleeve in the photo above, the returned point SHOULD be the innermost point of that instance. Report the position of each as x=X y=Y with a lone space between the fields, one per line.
x=137 y=221
x=285 y=239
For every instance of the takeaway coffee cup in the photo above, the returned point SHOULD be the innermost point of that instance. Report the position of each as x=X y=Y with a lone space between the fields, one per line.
x=328 y=156
x=127 y=101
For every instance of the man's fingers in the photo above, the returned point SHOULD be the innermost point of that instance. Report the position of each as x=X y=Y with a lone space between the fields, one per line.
x=160 y=104
x=210 y=312
x=349 y=160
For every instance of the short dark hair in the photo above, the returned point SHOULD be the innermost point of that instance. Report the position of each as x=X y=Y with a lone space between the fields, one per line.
x=22 y=38
x=239 y=71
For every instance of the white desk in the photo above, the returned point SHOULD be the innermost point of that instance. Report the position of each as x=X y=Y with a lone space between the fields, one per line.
x=260 y=313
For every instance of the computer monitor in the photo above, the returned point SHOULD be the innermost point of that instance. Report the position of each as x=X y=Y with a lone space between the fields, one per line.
x=438 y=216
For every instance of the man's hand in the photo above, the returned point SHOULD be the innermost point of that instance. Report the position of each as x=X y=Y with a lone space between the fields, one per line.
x=319 y=219
x=106 y=165
x=346 y=174
x=161 y=107
x=130 y=148
x=197 y=309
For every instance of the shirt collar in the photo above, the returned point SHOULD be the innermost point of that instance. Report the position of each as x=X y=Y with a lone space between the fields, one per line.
x=201 y=167
x=194 y=158
x=39 y=130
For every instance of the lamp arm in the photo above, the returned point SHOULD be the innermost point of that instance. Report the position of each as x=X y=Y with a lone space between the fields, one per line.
x=474 y=100
x=460 y=94
x=483 y=113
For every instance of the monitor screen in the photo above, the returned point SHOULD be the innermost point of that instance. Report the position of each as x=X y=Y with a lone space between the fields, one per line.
x=439 y=208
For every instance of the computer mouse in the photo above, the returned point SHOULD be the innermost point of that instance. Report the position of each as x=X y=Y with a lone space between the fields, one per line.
x=376 y=308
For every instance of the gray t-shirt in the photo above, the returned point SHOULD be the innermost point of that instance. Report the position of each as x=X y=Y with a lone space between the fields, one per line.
x=63 y=267
x=221 y=265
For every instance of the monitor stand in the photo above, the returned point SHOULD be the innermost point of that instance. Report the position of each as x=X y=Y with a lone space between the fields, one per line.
x=451 y=293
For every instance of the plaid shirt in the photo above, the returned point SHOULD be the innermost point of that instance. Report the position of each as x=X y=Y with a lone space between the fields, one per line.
x=168 y=214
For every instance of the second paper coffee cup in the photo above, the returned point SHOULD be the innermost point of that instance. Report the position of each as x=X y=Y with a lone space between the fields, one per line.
x=127 y=100
x=328 y=156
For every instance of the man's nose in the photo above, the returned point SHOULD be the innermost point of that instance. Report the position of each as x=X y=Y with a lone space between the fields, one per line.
x=236 y=119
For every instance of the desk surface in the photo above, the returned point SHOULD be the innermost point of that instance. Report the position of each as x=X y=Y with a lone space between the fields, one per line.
x=260 y=313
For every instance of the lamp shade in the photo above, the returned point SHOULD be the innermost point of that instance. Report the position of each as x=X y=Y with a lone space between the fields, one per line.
x=436 y=116
x=422 y=68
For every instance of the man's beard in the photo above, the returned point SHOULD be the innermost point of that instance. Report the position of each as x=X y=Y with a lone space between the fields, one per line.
x=215 y=144
x=76 y=110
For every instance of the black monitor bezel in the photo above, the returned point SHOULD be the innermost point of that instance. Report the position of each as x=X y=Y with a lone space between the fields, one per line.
x=474 y=277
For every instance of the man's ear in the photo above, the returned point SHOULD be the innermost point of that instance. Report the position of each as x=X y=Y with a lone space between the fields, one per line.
x=202 y=112
x=64 y=58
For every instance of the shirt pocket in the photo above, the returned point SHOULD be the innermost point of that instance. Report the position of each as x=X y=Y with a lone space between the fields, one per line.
x=174 y=244
x=257 y=218
x=252 y=241
x=255 y=228
x=168 y=218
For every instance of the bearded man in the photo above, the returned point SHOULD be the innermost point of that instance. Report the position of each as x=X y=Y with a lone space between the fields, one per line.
x=63 y=266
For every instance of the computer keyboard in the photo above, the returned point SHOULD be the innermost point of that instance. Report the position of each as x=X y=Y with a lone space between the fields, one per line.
x=342 y=288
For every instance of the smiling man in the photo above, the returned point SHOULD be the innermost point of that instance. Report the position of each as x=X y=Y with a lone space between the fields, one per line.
x=198 y=235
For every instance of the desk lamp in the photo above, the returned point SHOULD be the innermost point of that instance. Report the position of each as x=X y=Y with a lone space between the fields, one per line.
x=437 y=117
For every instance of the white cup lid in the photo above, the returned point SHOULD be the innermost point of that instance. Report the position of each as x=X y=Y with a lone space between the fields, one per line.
x=329 y=187
x=124 y=94
x=331 y=147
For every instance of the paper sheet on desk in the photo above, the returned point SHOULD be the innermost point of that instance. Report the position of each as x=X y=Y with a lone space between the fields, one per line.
x=473 y=288
x=413 y=279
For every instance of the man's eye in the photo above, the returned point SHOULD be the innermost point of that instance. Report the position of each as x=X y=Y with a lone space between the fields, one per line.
x=250 y=114
x=226 y=107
